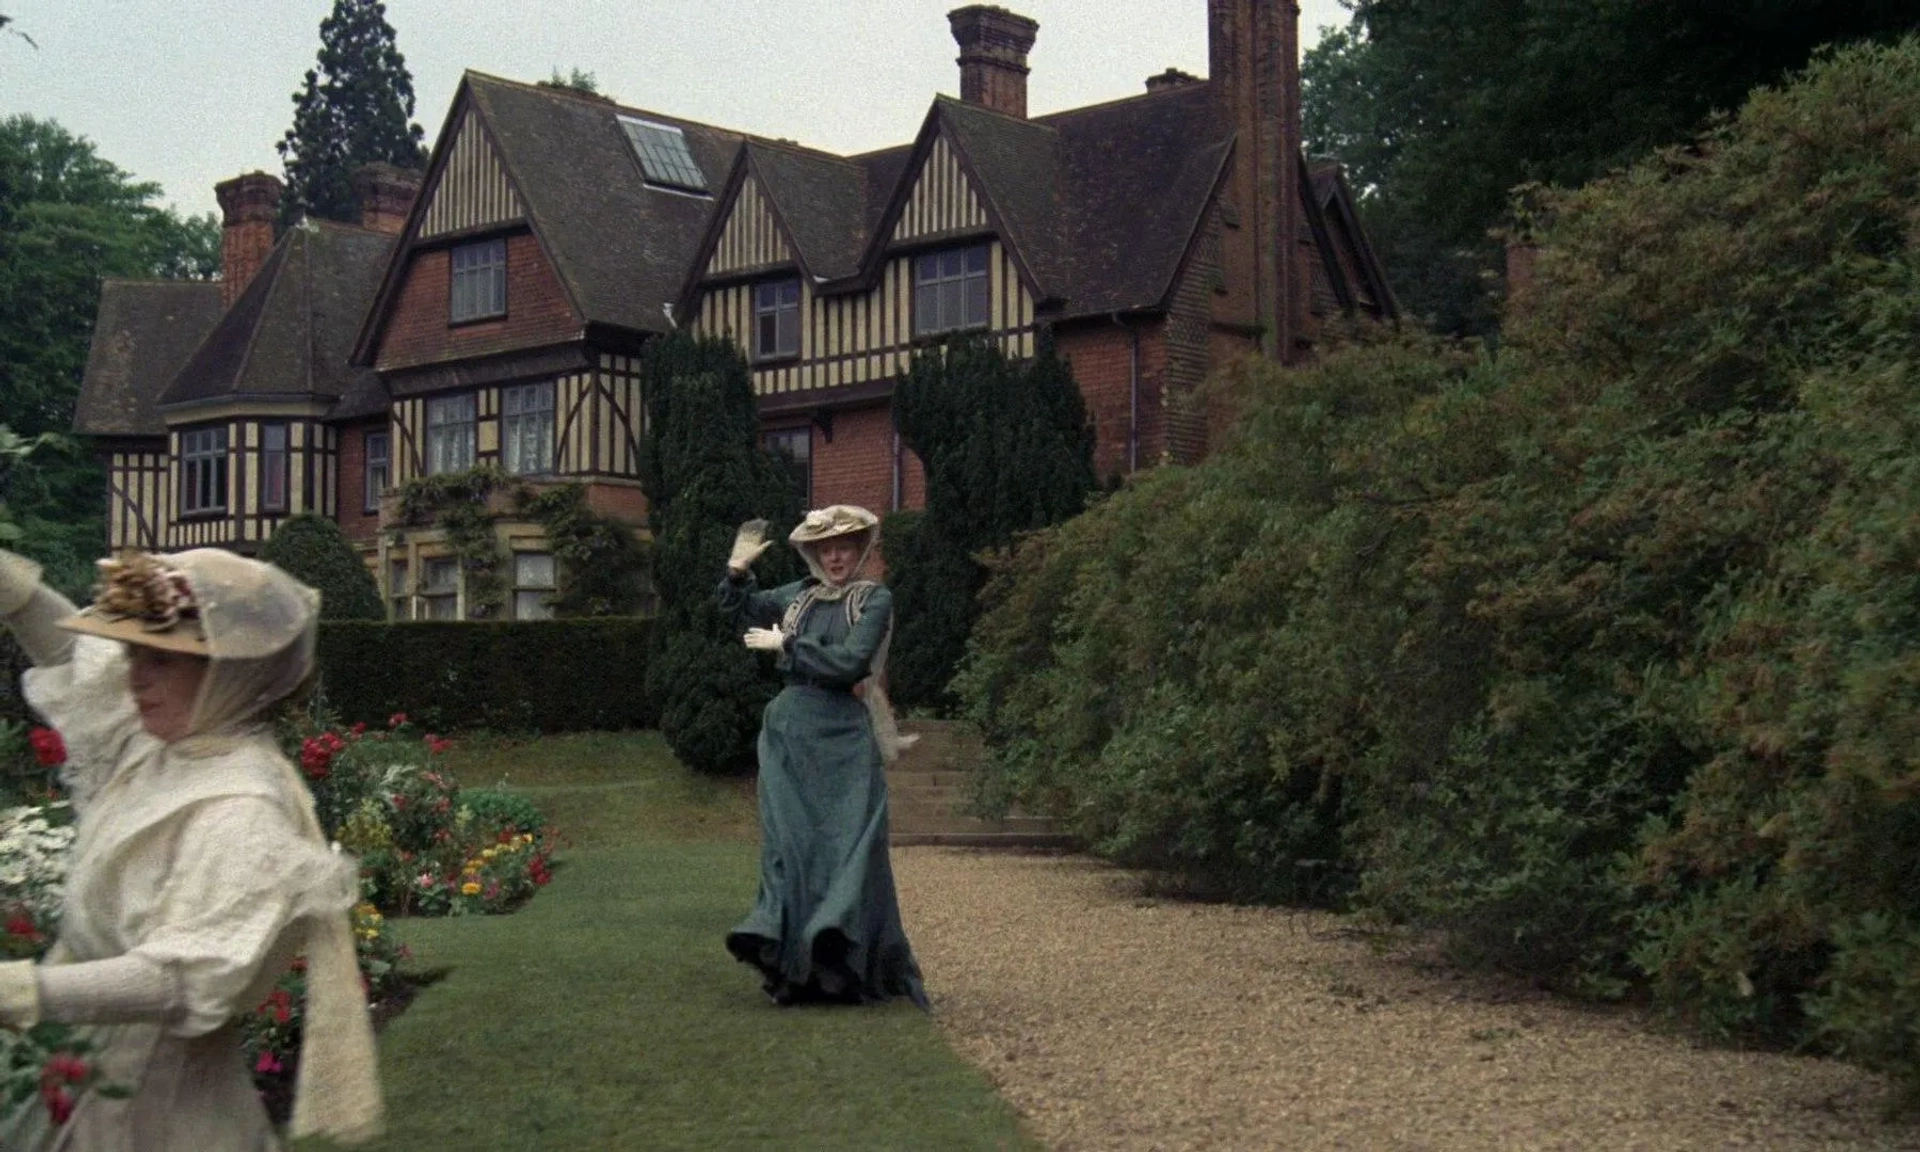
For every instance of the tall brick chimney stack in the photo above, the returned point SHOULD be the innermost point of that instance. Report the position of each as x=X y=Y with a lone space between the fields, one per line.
x=1253 y=50
x=386 y=193
x=248 y=205
x=993 y=56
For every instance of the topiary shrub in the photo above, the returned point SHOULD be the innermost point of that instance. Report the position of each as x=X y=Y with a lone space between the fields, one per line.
x=704 y=473
x=311 y=549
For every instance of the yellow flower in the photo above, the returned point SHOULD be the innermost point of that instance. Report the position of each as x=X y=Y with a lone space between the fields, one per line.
x=470 y=888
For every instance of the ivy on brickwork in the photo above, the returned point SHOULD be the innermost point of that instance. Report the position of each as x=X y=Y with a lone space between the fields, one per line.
x=602 y=566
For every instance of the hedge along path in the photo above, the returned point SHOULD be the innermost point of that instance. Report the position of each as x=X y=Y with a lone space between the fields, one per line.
x=1114 y=1020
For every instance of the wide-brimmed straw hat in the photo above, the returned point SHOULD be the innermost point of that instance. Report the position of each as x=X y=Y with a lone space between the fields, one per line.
x=142 y=599
x=833 y=520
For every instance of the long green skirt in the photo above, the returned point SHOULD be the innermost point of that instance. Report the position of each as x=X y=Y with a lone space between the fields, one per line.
x=826 y=923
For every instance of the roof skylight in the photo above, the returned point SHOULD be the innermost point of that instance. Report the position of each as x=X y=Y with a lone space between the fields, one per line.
x=663 y=154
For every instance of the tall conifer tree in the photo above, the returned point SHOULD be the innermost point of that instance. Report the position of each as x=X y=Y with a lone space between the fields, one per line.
x=354 y=108
x=1007 y=448
x=704 y=473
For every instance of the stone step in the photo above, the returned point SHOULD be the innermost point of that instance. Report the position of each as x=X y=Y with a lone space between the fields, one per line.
x=936 y=778
x=1006 y=841
x=933 y=822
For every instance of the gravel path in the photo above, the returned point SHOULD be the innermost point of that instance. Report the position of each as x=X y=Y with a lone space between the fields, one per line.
x=1113 y=1020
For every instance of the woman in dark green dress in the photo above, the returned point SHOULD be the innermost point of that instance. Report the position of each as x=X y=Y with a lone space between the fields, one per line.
x=826 y=923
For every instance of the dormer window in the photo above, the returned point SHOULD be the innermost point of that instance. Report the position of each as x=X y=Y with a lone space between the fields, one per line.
x=663 y=155
x=776 y=319
x=950 y=290
x=479 y=281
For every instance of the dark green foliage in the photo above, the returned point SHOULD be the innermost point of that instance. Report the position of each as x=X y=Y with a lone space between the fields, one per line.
x=1439 y=108
x=68 y=218
x=603 y=564
x=1007 y=448
x=704 y=473
x=355 y=108
x=312 y=550
x=502 y=811
x=1608 y=649
x=519 y=676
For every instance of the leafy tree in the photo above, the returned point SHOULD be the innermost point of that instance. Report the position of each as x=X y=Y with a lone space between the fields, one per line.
x=311 y=548
x=1438 y=109
x=68 y=218
x=704 y=474
x=1007 y=448
x=355 y=108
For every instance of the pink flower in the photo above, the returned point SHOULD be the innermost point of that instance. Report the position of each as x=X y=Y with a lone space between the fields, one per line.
x=359 y=729
x=397 y=719
x=267 y=1062
x=59 y=1103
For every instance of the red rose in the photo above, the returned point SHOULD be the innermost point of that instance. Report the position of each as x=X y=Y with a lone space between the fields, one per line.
x=397 y=719
x=359 y=729
x=59 y=1103
x=316 y=756
x=48 y=748
x=21 y=924
x=267 y=1063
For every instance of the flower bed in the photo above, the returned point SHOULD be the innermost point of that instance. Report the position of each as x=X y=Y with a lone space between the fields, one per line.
x=425 y=850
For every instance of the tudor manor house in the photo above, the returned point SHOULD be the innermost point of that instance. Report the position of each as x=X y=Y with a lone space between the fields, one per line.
x=491 y=310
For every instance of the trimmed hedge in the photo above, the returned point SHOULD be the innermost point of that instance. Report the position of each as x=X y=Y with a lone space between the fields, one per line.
x=521 y=676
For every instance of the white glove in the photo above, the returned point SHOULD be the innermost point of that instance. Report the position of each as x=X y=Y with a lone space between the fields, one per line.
x=19 y=576
x=765 y=639
x=19 y=993
x=748 y=543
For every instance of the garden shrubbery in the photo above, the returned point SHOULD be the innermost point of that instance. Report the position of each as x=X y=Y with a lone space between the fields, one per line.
x=1600 y=656
x=573 y=675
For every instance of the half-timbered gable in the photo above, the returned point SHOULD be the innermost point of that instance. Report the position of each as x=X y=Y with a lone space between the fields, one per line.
x=248 y=442
x=143 y=334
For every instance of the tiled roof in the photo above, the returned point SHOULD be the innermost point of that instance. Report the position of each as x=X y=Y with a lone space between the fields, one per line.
x=621 y=248
x=822 y=201
x=143 y=333
x=290 y=332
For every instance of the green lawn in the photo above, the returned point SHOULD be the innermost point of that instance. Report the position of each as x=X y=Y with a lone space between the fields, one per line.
x=606 y=1015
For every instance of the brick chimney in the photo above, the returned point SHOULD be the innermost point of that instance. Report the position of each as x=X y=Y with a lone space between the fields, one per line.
x=386 y=193
x=993 y=56
x=1171 y=78
x=1253 y=55
x=248 y=205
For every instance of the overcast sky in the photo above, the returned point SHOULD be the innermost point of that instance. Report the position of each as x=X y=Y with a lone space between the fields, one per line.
x=190 y=92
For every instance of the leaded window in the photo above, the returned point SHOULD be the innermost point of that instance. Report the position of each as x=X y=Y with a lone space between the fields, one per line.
x=203 y=470
x=950 y=290
x=526 y=428
x=479 y=289
x=451 y=426
x=440 y=588
x=273 y=467
x=776 y=319
x=379 y=455
x=533 y=585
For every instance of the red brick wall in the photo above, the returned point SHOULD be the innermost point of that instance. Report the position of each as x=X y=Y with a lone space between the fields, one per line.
x=356 y=524
x=619 y=501
x=857 y=466
x=1100 y=355
x=417 y=331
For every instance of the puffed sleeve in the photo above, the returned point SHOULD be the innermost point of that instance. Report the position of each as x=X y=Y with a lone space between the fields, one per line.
x=242 y=875
x=85 y=698
x=847 y=662
x=742 y=602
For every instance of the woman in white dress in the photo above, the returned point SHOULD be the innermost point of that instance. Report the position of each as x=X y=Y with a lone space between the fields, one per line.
x=198 y=871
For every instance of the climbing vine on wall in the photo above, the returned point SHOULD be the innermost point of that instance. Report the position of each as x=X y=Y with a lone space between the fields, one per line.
x=601 y=565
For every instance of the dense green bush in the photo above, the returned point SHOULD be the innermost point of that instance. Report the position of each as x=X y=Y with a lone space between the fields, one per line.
x=1007 y=448
x=1607 y=650
x=311 y=549
x=530 y=675
x=704 y=473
